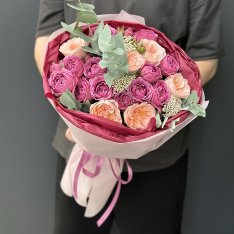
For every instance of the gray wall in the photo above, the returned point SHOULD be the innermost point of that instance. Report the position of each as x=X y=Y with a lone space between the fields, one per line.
x=28 y=122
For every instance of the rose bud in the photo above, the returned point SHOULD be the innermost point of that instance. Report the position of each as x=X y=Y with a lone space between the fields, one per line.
x=99 y=88
x=107 y=109
x=82 y=90
x=124 y=100
x=150 y=72
x=74 y=64
x=161 y=95
x=178 y=86
x=145 y=34
x=169 y=65
x=61 y=80
x=138 y=115
x=141 y=90
x=92 y=68
x=141 y=48
x=73 y=47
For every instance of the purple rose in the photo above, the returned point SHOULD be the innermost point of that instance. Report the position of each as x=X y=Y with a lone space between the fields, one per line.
x=92 y=68
x=82 y=90
x=169 y=65
x=146 y=34
x=161 y=95
x=61 y=80
x=124 y=100
x=55 y=67
x=150 y=72
x=129 y=32
x=93 y=29
x=74 y=64
x=99 y=89
x=141 y=90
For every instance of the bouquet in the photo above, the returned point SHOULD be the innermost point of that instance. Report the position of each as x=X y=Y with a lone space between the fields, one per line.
x=123 y=89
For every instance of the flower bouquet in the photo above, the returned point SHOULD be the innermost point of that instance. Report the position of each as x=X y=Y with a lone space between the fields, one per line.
x=123 y=89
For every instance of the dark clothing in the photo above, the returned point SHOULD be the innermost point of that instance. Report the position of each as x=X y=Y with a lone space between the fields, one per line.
x=195 y=25
x=151 y=203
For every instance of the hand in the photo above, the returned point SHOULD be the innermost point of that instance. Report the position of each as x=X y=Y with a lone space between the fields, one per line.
x=68 y=135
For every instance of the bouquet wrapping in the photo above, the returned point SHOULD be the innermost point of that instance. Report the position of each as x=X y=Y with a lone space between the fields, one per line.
x=102 y=145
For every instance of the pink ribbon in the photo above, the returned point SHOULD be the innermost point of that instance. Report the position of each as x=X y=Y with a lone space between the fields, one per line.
x=85 y=158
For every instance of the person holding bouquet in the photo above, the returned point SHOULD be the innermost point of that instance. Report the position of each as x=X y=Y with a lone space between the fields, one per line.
x=153 y=201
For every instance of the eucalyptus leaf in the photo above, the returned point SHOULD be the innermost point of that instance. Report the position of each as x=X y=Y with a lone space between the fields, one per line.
x=111 y=76
x=78 y=104
x=91 y=50
x=173 y=124
x=77 y=33
x=85 y=107
x=197 y=109
x=67 y=101
x=131 y=73
x=78 y=7
x=87 y=17
x=107 y=63
x=105 y=35
x=192 y=98
x=118 y=51
x=158 y=120
x=164 y=122
x=78 y=29
x=86 y=6
x=98 y=30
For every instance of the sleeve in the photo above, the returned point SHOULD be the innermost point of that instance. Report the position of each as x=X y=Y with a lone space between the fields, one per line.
x=205 y=30
x=51 y=14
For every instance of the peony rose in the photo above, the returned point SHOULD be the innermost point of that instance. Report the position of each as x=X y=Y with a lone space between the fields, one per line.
x=138 y=116
x=141 y=90
x=74 y=64
x=107 y=109
x=55 y=67
x=178 y=86
x=92 y=68
x=124 y=99
x=135 y=60
x=87 y=57
x=150 y=72
x=99 y=89
x=145 y=34
x=129 y=32
x=169 y=65
x=93 y=29
x=61 y=80
x=82 y=90
x=161 y=94
x=73 y=47
x=154 y=52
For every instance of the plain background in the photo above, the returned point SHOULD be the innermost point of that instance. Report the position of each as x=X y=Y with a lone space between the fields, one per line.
x=28 y=123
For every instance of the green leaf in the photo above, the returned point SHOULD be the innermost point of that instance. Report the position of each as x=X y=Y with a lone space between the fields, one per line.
x=131 y=73
x=77 y=29
x=105 y=35
x=98 y=30
x=77 y=103
x=86 y=6
x=173 y=124
x=111 y=76
x=85 y=107
x=118 y=51
x=87 y=17
x=77 y=33
x=158 y=120
x=90 y=50
x=67 y=101
x=192 y=98
x=197 y=109
x=78 y=8
x=164 y=122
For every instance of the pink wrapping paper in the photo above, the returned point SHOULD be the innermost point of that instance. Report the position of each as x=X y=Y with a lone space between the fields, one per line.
x=107 y=138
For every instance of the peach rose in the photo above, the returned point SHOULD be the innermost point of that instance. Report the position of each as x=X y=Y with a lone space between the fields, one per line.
x=138 y=115
x=178 y=86
x=107 y=109
x=154 y=52
x=135 y=60
x=73 y=47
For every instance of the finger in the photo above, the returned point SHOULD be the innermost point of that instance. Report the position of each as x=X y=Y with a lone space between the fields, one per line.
x=68 y=135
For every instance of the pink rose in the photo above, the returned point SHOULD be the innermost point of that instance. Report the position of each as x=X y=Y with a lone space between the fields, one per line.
x=124 y=99
x=61 y=80
x=169 y=65
x=150 y=72
x=129 y=32
x=135 y=60
x=161 y=95
x=55 y=67
x=92 y=68
x=99 y=89
x=73 y=47
x=87 y=57
x=145 y=34
x=141 y=90
x=82 y=90
x=93 y=29
x=154 y=52
x=74 y=64
x=178 y=86
x=107 y=109
x=138 y=116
